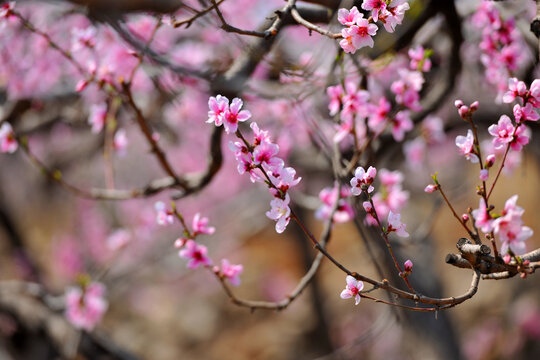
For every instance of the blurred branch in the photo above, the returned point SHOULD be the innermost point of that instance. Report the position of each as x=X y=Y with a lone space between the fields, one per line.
x=35 y=311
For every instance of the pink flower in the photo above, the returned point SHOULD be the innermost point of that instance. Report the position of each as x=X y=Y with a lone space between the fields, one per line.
x=280 y=212
x=83 y=38
x=266 y=153
x=419 y=59
x=376 y=7
x=200 y=225
x=348 y=18
x=367 y=207
x=231 y=272
x=233 y=115
x=118 y=239
x=352 y=289
x=483 y=220
x=328 y=196
x=259 y=136
x=8 y=143
x=394 y=14
x=512 y=233
x=85 y=307
x=98 y=116
x=465 y=145
x=7 y=9
x=401 y=124
x=335 y=94
x=535 y=93
x=164 y=216
x=378 y=114
x=407 y=88
x=218 y=106
x=503 y=132
x=196 y=255
x=284 y=179
x=484 y=173
x=521 y=137
x=515 y=89
x=395 y=224
x=120 y=142
x=523 y=113
x=362 y=180
x=358 y=36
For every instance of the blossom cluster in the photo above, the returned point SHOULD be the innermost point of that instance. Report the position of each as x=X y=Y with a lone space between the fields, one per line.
x=386 y=203
x=85 y=305
x=328 y=196
x=359 y=30
x=258 y=158
x=502 y=47
x=355 y=105
x=197 y=254
x=508 y=225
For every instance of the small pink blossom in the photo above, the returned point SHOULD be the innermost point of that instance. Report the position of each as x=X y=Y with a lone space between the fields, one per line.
x=196 y=254
x=218 y=106
x=490 y=160
x=200 y=225
x=484 y=174
x=6 y=10
x=352 y=289
x=348 y=18
x=367 y=207
x=524 y=113
x=376 y=7
x=164 y=216
x=395 y=224
x=362 y=180
x=522 y=136
x=358 y=36
x=83 y=38
x=502 y=131
x=401 y=124
x=98 y=116
x=378 y=114
x=85 y=307
x=118 y=239
x=180 y=242
x=515 y=89
x=280 y=212
x=231 y=271
x=8 y=143
x=466 y=146
x=419 y=59
x=482 y=218
x=335 y=93
x=120 y=142
x=430 y=188
x=535 y=93
x=233 y=115
x=394 y=14
x=328 y=196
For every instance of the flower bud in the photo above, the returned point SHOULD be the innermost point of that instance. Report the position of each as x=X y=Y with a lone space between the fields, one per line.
x=474 y=106
x=458 y=103
x=430 y=188
x=490 y=160
x=465 y=217
x=408 y=266
x=367 y=206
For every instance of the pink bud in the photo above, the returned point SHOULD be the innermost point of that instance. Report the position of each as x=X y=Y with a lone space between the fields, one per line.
x=465 y=217
x=474 y=106
x=430 y=188
x=526 y=262
x=408 y=265
x=490 y=160
x=155 y=136
x=367 y=206
x=507 y=258
x=463 y=111
x=81 y=84
x=484 y=174
x=180 y=242
x=458 y=103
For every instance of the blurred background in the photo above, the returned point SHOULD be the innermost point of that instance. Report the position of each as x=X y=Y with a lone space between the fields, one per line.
x=160 y=309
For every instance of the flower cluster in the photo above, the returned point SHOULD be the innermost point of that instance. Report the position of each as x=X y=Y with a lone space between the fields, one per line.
x=502 y=46
x=228 y=115
x=259 y=159
x=8 y=143
x=354 y=105
x=385 y=203
x=359 y=30
x=86 y=305
x=197 y=254
x=508 y=226
x=329 y=195
x=391 y=197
